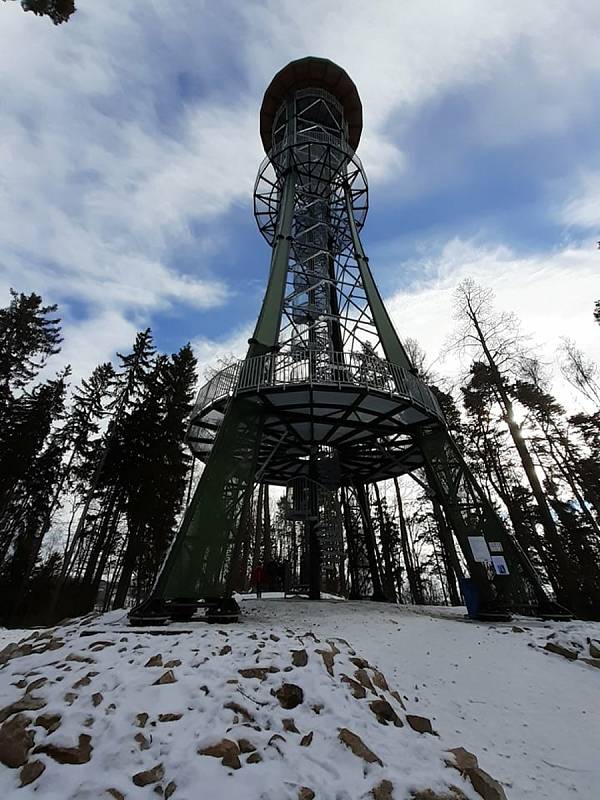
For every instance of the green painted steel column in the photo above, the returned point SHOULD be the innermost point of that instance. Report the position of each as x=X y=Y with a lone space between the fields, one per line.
x=266 y=332
x=392 y=346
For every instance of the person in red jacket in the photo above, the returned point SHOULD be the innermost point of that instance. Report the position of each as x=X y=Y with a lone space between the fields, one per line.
x=257 y=579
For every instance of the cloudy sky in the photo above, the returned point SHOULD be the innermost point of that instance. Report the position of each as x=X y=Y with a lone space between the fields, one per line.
x=129 y=145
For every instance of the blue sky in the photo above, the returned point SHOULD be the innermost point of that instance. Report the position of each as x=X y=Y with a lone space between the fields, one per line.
x=129 y=146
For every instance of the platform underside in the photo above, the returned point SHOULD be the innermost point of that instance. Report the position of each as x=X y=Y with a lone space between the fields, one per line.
x=370 y=433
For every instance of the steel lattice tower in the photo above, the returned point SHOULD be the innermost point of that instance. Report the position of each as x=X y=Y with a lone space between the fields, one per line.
x=326 y=400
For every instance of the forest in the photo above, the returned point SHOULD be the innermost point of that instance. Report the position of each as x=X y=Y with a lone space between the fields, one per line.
x=94 y=476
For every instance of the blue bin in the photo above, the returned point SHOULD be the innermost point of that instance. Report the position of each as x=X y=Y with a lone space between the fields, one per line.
x=470 y=595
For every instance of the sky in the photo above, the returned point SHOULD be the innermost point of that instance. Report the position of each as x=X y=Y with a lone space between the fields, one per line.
x=129 y=146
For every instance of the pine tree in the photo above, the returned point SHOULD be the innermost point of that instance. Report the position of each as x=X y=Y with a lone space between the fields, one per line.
x=155 y=468
x=59 y=11
x=29 y=335
x=98 y=532
x=26 y=510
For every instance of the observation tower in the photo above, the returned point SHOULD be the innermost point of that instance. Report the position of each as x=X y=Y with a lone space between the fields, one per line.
x=326 y=400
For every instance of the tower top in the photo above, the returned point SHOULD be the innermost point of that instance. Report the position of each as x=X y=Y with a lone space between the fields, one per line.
x=312 y=72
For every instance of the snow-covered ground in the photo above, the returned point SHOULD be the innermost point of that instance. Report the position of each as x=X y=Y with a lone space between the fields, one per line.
x=531 y=717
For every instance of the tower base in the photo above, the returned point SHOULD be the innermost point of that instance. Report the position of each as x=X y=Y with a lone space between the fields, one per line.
x=156 y=611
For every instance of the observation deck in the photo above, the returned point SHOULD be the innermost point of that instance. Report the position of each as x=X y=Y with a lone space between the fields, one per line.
x=362 y=407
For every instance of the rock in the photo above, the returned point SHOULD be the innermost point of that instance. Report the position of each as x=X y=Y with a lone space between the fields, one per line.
x=80 y=658
x=289 y=695
x=335 y=650
x=232 y=761
x=273 y=637
x=593 y=662
x=115 y=793
x=310 y=635
x=221 y=749
x=169 y=717
x=383 y=791
x=166 y=677
x=254 y=672
x=169 y=789
x=20 y=684
x=363 y=677
x=97 y=698
x=560 y=650
x=14 y=650
x=454 y=793
x=304 y=793
x=141 y=720
x=357 y=689
x=48 y=721
x=175 y=662
x=485 y=785
x=306 y=740
x=290 y=726
x=31 y=772
x=466 y=763
x=149 y=776
x=85 y=681
x=254 y=758
x=358 y=747
x=142 y=741
x=16 y=740
x=397 y=698
x=225 y=650
x=328 y=659
x=26 y=703
x=299 y=658
x=361 y=663
x=37 y=684
x=70 y=698
x=594 y=649
x=379 y=681
x=420 y=724
x=463 y=760
x=385 y=713
x=155 y=661
x=96 y=646
x=80 y=754
x=517 y=629
x=317 y=708
x=246 y=746
x=239 y=709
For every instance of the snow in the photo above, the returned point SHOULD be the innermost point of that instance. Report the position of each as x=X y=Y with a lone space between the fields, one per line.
x=530 y=716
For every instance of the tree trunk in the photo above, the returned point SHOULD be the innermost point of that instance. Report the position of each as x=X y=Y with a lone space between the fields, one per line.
x=388 y=572
x=413 y=583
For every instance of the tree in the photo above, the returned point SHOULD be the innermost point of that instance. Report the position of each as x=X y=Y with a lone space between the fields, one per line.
x=495 y=339
x=34 y=460
x=581 y=372
x=154 y=468
x=59 y=11
x=29 y=335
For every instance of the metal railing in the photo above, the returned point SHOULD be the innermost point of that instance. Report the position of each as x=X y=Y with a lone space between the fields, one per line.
x=304 y=366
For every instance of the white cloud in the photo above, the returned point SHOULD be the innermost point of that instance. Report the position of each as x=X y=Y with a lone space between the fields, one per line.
x=552 y=293
x=537 y=61
x=105 y=165
x=97 y=186
x=209 y=351
x=582 y=209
